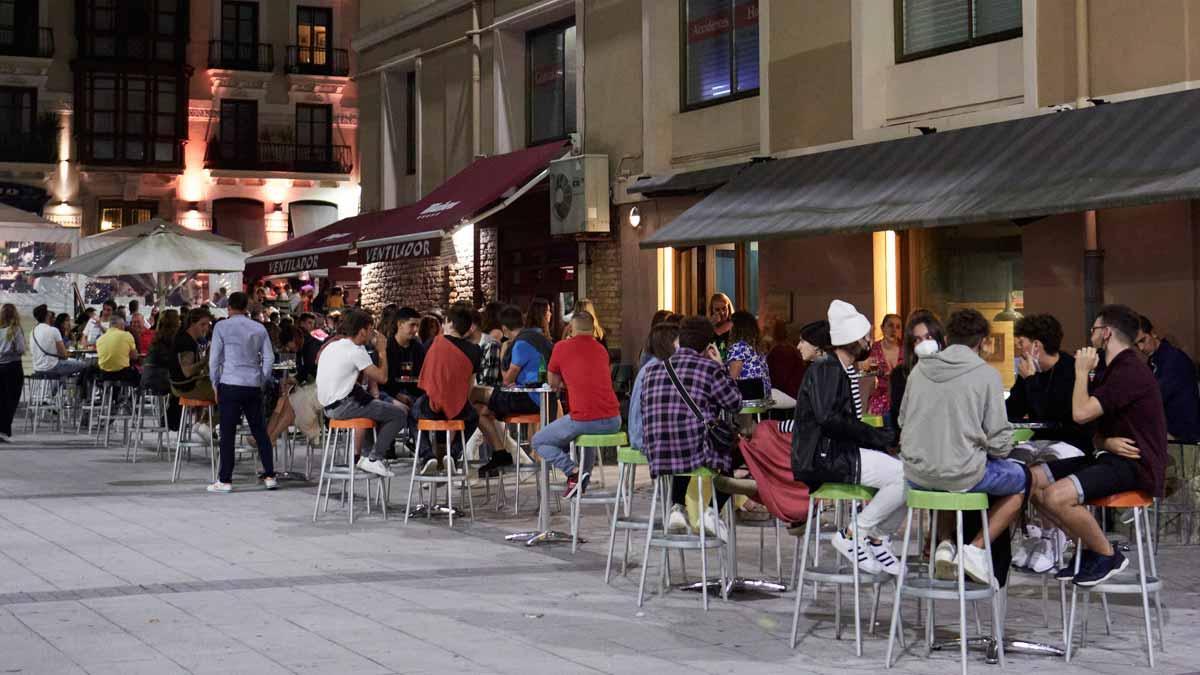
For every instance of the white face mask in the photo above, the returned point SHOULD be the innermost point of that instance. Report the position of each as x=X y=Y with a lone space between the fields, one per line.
x=926 y=348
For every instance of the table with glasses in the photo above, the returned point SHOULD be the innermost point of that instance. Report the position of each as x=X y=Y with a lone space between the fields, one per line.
x=543 y=534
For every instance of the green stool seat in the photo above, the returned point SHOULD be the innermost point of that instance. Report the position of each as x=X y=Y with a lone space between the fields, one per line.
x=755 y=410
x=627 y=455
x=1022 y=436
x=842 y=492
x=946 y=501
x=614 y=440
x=873 y=420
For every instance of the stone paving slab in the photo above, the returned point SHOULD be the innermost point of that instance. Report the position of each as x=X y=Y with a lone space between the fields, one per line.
x=107 y=567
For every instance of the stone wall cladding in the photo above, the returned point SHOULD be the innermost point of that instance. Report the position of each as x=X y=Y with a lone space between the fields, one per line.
x=489 y=281
x=433 y=282
x=604 y=287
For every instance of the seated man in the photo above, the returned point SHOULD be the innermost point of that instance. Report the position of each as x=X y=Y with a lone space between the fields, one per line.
x=1045 y=381
x=831 y=443
x=96 y=325
x=188 y=367
x=446 y=378
x=1176 y=375
x=116 y=351
x=520 y=365
x=955 y=438
x=49 y=352
x=1131 y=433
x=338 y=391
x=579 y=365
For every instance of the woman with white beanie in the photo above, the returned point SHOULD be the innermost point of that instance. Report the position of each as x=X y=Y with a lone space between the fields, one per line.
x=831 y=443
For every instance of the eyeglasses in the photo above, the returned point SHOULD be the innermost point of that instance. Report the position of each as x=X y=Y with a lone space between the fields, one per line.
x=1096 y=328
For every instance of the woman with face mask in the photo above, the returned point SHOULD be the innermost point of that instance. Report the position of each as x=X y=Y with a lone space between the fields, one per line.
x=923 y=336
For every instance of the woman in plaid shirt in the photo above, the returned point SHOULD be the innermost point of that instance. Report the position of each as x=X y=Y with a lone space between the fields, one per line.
x=675 y=440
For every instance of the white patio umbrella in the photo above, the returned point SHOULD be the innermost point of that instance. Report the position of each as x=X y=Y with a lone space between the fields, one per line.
x=106 y=239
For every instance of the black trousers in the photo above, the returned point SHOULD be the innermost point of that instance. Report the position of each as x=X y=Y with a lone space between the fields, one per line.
x=12 y=381
x=234 y=402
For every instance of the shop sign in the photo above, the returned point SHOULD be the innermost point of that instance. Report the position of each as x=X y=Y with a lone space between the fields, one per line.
x=302 y=263
x=422 y=248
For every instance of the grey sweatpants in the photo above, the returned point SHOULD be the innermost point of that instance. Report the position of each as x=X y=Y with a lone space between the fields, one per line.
x=390 y=419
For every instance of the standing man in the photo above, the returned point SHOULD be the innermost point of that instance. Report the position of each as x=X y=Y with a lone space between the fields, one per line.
x=1176 y=375
x=1131 y=431
x=338 y=391
x=240 y=362
x=580 y=365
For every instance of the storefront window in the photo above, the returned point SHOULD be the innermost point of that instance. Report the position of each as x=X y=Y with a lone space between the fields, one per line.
x=551 y=83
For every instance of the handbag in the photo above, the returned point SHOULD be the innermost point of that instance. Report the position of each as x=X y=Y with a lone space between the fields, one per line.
x=720 y=432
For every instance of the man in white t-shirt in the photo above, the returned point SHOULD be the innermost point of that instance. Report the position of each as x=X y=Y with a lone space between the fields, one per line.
x=98 y=324
x=338 y=370
x=49 y=353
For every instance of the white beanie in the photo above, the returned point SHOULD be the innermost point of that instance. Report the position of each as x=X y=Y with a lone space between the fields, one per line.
x=846 y=324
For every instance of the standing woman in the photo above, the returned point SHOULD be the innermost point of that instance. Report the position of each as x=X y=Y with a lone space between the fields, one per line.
x=12 y=373
x=884 y=357
x=720 y=312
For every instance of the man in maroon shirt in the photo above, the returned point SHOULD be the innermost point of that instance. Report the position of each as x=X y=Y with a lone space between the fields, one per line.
x=1131 y=444
x=580 y=365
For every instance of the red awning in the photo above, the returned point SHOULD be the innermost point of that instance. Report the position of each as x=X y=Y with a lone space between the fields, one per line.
x=413 y=230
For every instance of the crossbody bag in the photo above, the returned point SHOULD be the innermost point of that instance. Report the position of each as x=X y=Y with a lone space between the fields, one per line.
x=720 y=432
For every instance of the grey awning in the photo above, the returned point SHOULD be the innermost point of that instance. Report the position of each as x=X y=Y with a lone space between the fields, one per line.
x=1121 y=154
x=700 y=180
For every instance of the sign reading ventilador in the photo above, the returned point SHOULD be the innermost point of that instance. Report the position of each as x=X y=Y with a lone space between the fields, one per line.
x=421 y=248
x=302 y=263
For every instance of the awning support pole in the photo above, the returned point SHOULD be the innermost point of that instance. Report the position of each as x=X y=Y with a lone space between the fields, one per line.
x=1093 y=270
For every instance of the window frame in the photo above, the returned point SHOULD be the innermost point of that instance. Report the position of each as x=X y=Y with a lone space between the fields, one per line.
x=557 y=27
x=32 y=120
x=123 y=36
x=244 y=144
x=235 y=41
x=971 y=42
x=733 y=95
x=127 y=208
x=121 y=114
x=410 y=123
x=315 y=13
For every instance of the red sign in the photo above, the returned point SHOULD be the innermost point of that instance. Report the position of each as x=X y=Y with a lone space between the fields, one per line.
x=715 y=25
x=550 y=73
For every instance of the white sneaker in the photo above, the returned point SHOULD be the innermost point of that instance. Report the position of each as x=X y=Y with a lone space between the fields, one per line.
x=203 y=431
x=884 y=556
x=976 y=564
x=430 y=468
x=714 y=525
x=866 y=562
x=1022 y=551
x=1041 y=559
x=944 y=567
x=375 y=466
x=270 y=483
x=220 y=487
x=677 y=522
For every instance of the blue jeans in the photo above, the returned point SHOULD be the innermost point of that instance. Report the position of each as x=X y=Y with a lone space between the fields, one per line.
x=235 y=401
x=553 y=441
x=1001 y=478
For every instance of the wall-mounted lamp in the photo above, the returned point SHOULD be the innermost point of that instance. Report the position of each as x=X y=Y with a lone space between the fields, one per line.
x=635 y=217
x=278 y=207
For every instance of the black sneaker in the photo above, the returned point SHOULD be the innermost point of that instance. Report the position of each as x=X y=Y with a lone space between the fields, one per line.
x=499 y=460
x=1067 y=572
x=1103 y=568
x=576 y=482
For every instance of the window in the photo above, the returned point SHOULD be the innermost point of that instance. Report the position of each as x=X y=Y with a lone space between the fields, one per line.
x=239 y=33
x=130 y=118
x=314 y=27
x=238 y=138
x=931 y=27
x=314 y=133
x=18 y=111
x=135 y=30
x=19 y=27
x=410 y=123
x=551 y=83
x=117 y=214
x=720 y=51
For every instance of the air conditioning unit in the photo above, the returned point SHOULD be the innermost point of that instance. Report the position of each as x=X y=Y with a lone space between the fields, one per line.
x=579 y=194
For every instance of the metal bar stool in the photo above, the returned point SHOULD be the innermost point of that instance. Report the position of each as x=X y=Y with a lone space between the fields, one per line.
x=114 y=396
x=333 y=470
x=461 y=476
x=45 y=397
x=190 y=411
x=628 y=460
x=148 y=407
x=1144 y=585
x=579 y=449
x=525 y=426
x=681 y=542
x=930 y=588
x=838 y=493
x=1184 y=511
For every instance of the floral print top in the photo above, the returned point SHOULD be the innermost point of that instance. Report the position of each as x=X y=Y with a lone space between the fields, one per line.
x=754 y=364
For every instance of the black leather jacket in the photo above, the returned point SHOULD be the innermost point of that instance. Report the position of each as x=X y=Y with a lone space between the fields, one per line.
x=827 y=433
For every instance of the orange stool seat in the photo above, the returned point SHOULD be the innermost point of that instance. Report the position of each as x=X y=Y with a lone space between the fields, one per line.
x=195 y=403
x=1125 y=500
x=441 y=425
x=534 y=418
x=352 y=423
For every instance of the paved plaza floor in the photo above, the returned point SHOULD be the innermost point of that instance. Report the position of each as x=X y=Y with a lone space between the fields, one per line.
x=107 y=567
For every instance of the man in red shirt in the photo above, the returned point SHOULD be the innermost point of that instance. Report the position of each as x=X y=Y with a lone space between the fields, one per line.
x=580 y=365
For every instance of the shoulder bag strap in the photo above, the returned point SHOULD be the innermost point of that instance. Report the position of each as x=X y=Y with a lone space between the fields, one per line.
x=687 y=398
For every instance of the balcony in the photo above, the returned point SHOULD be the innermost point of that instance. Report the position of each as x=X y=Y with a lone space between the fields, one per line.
x=241 y=56
x=318 y=61
x=37 y=44
x=278 y=156
x=35 y=148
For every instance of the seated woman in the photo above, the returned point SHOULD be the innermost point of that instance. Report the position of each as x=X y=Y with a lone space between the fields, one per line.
x=746 y=364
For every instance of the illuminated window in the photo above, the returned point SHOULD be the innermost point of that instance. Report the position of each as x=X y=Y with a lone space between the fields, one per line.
x=313 y=28
x=117 y=214
x=720 y=51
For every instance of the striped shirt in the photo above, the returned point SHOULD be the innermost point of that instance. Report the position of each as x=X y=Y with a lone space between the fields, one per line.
x=852 y=373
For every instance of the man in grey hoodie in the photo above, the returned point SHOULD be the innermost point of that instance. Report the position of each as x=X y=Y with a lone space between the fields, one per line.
x=956 y=438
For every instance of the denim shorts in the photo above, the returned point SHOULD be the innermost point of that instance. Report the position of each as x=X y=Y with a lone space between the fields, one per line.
x=1001 y=477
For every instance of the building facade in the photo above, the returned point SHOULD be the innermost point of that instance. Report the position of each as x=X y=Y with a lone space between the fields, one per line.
x=680 y=94
x=236 y=116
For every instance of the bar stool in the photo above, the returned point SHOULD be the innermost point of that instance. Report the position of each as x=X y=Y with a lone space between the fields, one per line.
x=1185 y=510
x=838 y=493
x=45 y=397
x=682 y=542
x=1145 y=583
x=525 y=425
x=332 y=470
x=628 y=460
x=452 y=477
x=930 y=588
x=190 y=411
x=148 y=406
x=113 y=394
x=579 y=449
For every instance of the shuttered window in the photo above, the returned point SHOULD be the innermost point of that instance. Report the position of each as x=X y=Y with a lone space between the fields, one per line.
x=720 y=50
x=930 y=27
